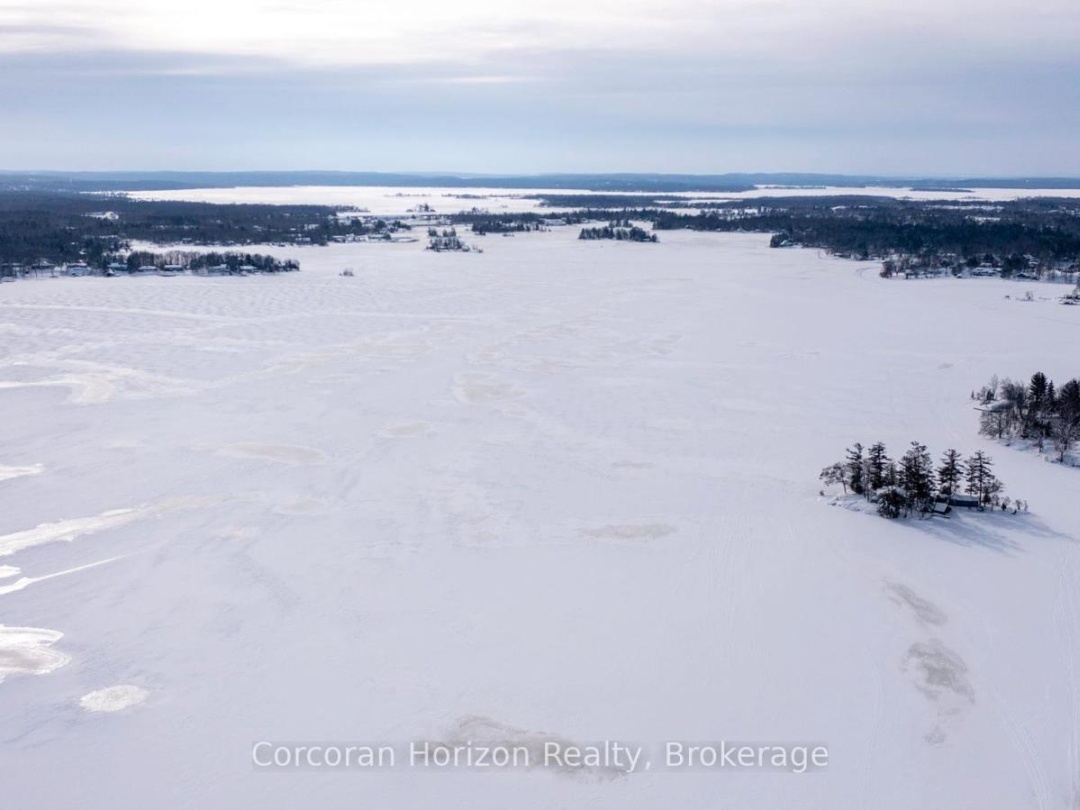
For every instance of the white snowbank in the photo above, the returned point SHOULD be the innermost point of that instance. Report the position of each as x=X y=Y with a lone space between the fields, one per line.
x=7 y=473
x=114 y=699
x=28 y=650
x=69 y=530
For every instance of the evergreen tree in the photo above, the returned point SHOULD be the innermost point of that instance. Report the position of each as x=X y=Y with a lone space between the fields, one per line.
x=917 y=476
x=1038 y=407
x=891 y=500
x=855 y=469
x=892 y=474
x=1066 y=423
x=877 y=462
x=1038 y=389
x=981 y=481
x=950 y=473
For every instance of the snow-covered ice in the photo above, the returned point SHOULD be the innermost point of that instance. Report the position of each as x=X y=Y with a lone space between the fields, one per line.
x=557 y=491
x=393 y=201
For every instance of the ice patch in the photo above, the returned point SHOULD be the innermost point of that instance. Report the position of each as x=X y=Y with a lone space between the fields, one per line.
x=926 y=612
x=25 y=582
x=941 y=675
x=114 y=699
x=630 y=531
x=406 y=430
x=96 y=383
x=68 y=530
x=477 y=388
x=7 y=473
x=632 y=465
x=662 y=345
x=938 y=672
x=282 y=453
x=238 y=533
x=28 y=650
x=302 y=506
x=124 y=444
x=8 y=571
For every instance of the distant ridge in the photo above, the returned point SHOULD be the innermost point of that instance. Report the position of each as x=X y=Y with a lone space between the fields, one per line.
x=625 y=182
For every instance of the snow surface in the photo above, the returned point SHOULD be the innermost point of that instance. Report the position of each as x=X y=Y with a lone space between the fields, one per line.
x=557 y=490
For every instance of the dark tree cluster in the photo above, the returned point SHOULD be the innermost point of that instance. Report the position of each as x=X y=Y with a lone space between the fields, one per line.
x=1038 y=410
x=445 y=240
x=483 y=222
x=913 y=485
x=366 y=226
x=230 y=263
x=622 y=230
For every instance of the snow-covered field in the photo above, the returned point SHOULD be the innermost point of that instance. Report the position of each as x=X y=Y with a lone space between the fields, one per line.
x=559 y=488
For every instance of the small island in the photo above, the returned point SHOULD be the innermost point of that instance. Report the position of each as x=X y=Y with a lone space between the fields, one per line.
x=621 y=230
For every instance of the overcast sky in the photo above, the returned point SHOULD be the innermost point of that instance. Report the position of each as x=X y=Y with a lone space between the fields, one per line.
x=944 y=87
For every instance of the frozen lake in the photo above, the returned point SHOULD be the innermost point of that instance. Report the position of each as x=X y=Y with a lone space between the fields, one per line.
x=396 y=201
x=559 y=488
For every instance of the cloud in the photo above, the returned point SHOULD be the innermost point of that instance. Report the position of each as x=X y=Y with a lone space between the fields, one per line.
x=919 y=85
x=327 y=33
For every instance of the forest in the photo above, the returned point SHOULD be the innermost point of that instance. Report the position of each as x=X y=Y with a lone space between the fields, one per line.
x=60 y=228
x=1038 y=412
x=939 y=233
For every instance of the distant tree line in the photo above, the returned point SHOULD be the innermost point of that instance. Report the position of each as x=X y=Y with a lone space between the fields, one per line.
x=63 y=228
x=913 y=485
x=1030 y=236
x=230 y=262
x=1038 y=411
x=484 y=222
x=177 y=261
x=608 y=201
x=927 y=232
x=496 y=226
